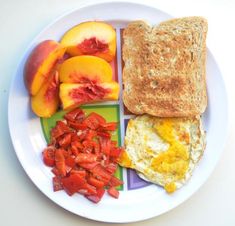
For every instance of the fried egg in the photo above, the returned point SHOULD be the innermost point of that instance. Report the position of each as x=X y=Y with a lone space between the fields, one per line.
x=164 y=151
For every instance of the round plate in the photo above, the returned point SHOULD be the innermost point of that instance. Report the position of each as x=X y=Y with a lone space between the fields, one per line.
x=28 y=137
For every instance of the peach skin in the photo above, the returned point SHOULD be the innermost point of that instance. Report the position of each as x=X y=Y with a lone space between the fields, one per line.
x=91 y=38
x=39 y=64
x=73 y=95
x=46 y=102
x=80 y=69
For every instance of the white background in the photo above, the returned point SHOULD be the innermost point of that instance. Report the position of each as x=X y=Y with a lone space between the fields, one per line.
x=21 y=203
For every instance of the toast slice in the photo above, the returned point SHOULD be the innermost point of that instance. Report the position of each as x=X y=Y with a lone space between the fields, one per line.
x=164 y=70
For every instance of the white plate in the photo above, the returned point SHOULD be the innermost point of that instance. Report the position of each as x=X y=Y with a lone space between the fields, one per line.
x=133 y=205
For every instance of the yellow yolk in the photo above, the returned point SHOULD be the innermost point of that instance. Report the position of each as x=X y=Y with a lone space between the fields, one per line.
x=164 y=151
x=171 y=187
x=124 y=160
x=175 y=160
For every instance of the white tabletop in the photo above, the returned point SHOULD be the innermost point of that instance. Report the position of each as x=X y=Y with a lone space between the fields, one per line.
x=21 y=203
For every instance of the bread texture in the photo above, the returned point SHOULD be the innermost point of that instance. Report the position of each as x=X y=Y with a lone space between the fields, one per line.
x=164 y=70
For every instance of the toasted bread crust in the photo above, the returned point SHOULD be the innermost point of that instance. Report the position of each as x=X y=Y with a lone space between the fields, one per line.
x=165 y=67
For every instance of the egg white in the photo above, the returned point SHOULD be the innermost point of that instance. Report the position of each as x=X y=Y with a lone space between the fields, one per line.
x=143 y=144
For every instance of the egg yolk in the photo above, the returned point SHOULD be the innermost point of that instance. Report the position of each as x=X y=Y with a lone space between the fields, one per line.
x=124 y=160
x=171 y=187
x=175 y=160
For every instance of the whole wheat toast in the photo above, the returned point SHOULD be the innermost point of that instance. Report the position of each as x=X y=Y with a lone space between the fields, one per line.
x=164 y=70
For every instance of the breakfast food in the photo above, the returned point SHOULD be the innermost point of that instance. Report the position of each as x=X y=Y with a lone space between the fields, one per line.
x=82 y=79
x=163 y=80
x=40 y=63
x=86 y=79
x=164 y=151
x=85 y=68
x=164 y=67
x=46 y=102
x=75 y=94
x=91 y=38
x=82 y=155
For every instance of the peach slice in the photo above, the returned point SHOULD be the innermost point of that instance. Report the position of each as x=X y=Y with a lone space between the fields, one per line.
x=72 y=94
x=46 y=101
x=79 y=69
x=91 y=38
x=40 y=62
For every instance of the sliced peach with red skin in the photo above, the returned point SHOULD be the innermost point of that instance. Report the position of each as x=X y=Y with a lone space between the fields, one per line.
x=75 y=94
x=39 y=64
x=79 y=69
x=46 y=102
x=91 y=38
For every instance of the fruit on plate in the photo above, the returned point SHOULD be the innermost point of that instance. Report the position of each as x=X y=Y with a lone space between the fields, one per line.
x=46 y=101
x=40 y=63
x=86 y=79
x=74 y=94
x=91 y=38
x=79 y=69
